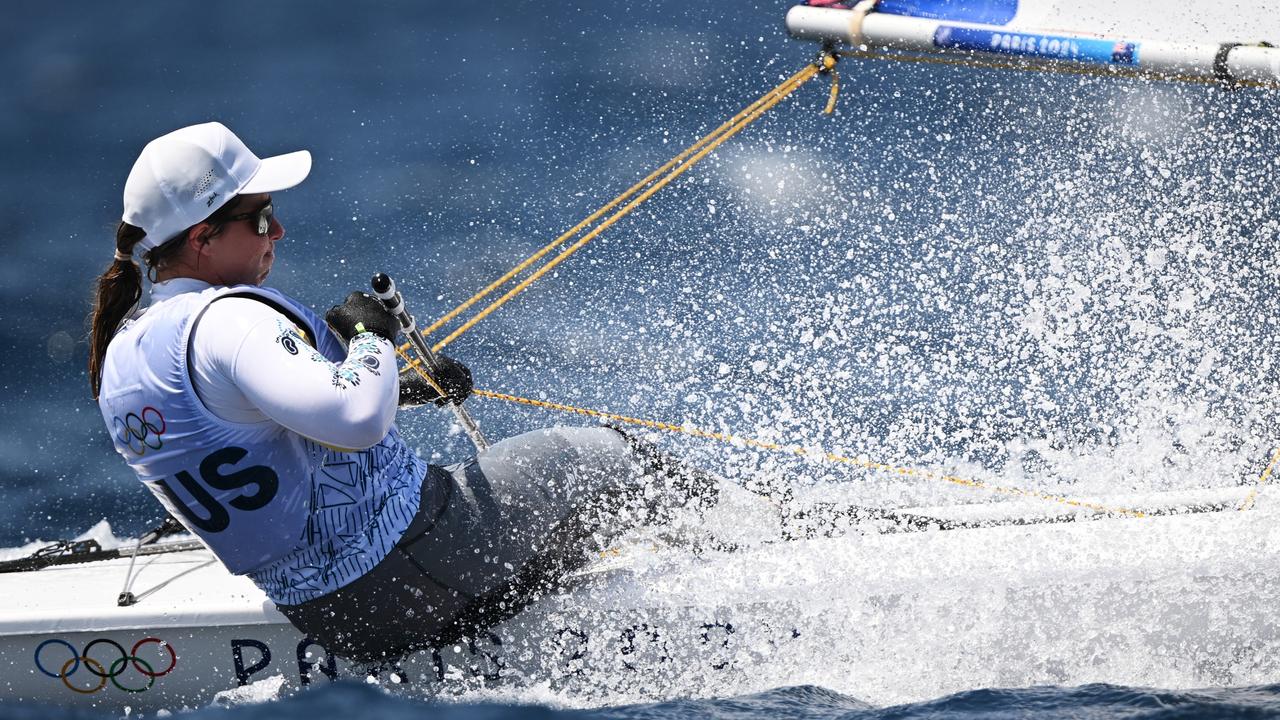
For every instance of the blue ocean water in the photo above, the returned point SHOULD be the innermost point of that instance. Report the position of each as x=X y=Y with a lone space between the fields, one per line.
x=1058 y=282
x=1091 y=702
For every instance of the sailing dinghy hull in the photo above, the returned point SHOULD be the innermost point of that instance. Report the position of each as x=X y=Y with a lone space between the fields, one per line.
x=1175 y=601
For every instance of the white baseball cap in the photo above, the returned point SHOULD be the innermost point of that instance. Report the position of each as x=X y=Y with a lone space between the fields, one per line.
x=183 y=177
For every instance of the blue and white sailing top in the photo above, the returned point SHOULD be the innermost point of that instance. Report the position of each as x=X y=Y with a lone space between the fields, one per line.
x=263 y=435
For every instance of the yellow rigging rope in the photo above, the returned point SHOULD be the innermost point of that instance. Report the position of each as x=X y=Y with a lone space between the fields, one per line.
x=810 y=453
x=650 y=185
x=417 y=366
x=1262 y=482
x=789 y=84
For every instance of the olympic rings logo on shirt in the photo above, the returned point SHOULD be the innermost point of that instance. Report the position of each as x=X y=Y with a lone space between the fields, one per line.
x=140 y=431
x=97 y=669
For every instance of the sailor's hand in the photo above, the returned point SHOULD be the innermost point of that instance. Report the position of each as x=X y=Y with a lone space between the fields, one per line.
x=452 y=376
x=362 y=313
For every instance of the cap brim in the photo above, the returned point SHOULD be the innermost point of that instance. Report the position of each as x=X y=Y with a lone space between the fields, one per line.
x=279 y=173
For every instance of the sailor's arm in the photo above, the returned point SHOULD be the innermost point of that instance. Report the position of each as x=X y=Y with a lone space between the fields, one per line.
x=350 y=405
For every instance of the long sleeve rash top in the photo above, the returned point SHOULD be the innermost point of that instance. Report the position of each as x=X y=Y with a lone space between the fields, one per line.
x=251 y=364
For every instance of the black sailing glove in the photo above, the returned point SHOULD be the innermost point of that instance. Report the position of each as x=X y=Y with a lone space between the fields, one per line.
x=452 y=376
x=362 y=312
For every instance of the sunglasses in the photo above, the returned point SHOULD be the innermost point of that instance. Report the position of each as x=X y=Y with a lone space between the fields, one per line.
x=263 y=216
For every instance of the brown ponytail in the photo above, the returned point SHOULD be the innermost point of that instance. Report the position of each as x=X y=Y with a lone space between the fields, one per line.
x=118 y=290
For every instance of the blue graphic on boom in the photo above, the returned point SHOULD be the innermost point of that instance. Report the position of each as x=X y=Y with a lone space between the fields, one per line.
x=1050 y=47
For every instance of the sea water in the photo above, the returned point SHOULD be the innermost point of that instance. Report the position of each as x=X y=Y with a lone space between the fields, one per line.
x=357 y=700
x=1057 y=284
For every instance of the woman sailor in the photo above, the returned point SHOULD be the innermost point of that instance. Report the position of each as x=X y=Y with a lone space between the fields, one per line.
x=269 y=432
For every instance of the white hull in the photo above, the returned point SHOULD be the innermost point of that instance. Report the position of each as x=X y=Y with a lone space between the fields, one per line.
x=1181 y=601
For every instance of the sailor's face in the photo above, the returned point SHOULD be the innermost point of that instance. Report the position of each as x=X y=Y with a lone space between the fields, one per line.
x=239 y=255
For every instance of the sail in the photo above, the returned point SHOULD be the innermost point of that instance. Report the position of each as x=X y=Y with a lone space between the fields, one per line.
x=1173 y=39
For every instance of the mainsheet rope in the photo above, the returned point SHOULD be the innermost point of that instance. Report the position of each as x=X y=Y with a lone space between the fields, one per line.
x=810 y=453
x=646 y=188
x=1262 y=482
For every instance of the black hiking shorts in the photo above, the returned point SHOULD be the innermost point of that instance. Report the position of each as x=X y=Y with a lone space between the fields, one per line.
x=491 y=535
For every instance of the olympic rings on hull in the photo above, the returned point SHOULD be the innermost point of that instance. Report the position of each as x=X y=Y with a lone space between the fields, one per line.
x=140 y=431
x=109 y=672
